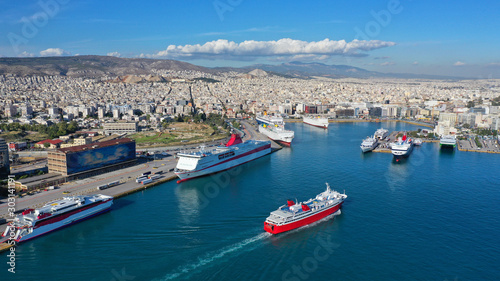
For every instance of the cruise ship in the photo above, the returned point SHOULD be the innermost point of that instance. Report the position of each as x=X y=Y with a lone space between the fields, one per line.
x=316 y=121
x=381 y=133
x=234 y=153
x=269 y=120
x=448 y=141
x=402 y=148
x=369 y=144
x=277 y=133
x=55 y=215
x=294 y=215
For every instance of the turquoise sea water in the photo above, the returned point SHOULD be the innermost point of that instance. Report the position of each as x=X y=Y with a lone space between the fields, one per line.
x=434 y=216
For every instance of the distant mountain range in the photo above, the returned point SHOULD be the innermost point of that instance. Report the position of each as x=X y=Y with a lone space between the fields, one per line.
x=90 y=66
x=98 y=66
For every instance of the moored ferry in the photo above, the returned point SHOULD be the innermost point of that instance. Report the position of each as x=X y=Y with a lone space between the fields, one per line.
x=269 y=120
x=277 y=133
x=316 y=121
x=369 y=144
x=402 y=148
x=55 y=215
x=381 y=133
x=448 y=141
x=234 y=153
x=294 y=215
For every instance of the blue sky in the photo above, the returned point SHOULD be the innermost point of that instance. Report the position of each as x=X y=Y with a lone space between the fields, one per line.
x=417 y=36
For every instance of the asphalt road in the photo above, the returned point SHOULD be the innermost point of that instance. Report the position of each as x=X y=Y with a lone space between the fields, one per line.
x=89 y=185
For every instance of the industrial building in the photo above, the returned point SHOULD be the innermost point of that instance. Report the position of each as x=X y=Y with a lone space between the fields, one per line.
x=92 y=159
x=120 y=128
x=4 y=159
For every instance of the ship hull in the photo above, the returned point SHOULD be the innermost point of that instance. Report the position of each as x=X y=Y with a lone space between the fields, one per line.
x=323 y=126
x=402 y=153
x=285 y=137
x=275 y=229
x=64 y=220
x=284 y=143
x=227 y=164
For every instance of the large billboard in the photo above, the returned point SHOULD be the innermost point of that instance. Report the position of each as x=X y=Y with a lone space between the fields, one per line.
x=100 y=157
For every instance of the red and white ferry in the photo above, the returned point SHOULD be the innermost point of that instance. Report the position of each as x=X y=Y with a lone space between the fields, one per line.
x=55 y=215
x=294 y=215
x=234 y=153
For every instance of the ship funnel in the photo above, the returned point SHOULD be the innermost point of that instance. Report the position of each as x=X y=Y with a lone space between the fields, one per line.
x=235 y=139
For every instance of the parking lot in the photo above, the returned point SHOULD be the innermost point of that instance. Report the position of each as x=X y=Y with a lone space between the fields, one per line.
x=490 y=145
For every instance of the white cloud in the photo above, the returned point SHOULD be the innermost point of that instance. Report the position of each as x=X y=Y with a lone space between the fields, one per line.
x=114 y=54
x=415 y=63
x=54 y=52
x=387 y=63
x=459 y=63
x=284 y=47
x=26 y=55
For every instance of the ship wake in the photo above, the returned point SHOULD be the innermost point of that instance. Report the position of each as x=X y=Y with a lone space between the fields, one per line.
x=208 y=259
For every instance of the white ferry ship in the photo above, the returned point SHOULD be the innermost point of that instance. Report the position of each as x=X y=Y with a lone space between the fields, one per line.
x=402 y=148
x=277 y=133
x=369 y=144
x=448 y=141
x=234 y=153
x=294 y=215
x=55 y=215
x=269 y=120
x=381 y=133
x=316 y=121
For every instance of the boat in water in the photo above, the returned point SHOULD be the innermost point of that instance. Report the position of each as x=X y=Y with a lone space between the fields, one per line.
x=417 y=142
x=234 y=153
x=402 y=148
x=269 y=119
x=381 y=133
x=56 y=215
x=369 y=144
x=277 y=133
x=316 y=121
x=448 y=141
x=294 y=215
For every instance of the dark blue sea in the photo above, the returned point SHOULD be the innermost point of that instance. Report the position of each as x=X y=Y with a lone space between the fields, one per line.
x=434 y=216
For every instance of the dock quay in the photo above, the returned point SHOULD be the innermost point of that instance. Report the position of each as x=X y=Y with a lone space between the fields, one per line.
x=126 y=177
x=4 y=246
x=354 y=120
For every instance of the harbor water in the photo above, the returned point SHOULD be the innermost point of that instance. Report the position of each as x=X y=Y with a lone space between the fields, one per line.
x=433 y=216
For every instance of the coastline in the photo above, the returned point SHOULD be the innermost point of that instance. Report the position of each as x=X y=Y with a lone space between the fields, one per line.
x=366 y=120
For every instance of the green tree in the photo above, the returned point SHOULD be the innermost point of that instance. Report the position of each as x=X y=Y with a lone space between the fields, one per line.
x=46 y=145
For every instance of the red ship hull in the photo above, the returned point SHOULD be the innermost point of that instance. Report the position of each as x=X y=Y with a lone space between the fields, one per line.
x=283 y=143
x=323 y=127
x=275 y=229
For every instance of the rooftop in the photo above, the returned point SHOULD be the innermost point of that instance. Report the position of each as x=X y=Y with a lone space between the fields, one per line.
x=97 y=145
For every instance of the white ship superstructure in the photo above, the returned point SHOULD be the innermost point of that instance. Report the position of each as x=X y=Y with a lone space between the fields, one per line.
x=369 y=144
x=234 y=153
x=55 y=215
x=277 y=133
x=316 y=121
x=448 y=141
x=269 y=120
x=381 y=133
x=402 y=148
